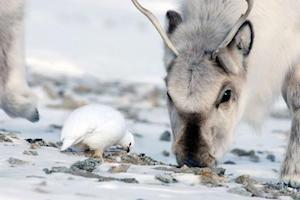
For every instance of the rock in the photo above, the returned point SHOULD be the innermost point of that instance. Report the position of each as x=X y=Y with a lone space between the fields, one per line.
x=17 y=162
x=87 y=165
x=132 y=158
x=56 y=127
x=137 y=135
x=166 y=153
x=188 y=170
x=56 y=145
x=243 y=153
x=229 y=162
x=244 y=180
x=56 y=170
x=220 y=171
x=255 y=191
x=124 y=180
x=209 y=177
x=254 y=158
x=279 y=190
x=86 y=174
x=119 y=169
x=68 y=103
x=166 y=178
x=240 y=191
x=271 y=157
x=5 y=138
x=37 y=143
x=30 y=153
x=165 y=136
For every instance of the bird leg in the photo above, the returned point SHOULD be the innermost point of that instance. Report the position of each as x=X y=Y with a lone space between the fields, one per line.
x=97 y=154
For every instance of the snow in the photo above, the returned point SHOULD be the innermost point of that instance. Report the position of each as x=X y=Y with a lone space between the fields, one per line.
x=111 y=41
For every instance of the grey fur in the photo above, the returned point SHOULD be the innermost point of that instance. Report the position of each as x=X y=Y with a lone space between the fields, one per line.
x=202 y=128
x=196 y=82
x=291 y=94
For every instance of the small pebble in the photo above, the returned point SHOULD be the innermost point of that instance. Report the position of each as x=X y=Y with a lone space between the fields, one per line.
x=240 y=191
x=165 y=136
x=119 y=169
x=5 y=138
x=166 y=178
x=30 y=153
x=244 y=180
x=229 y=162
x=16 y=162
x=271 y=157
x=254 y=158
x=243 y=153
x=54 y=126
x=86 y=165
x=166 y=153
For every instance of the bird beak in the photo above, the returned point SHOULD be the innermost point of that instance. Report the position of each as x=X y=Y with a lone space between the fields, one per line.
x=128 y=148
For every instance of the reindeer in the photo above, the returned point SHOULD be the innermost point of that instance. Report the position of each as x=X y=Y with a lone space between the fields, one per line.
x=224 y=66
x=16 y=99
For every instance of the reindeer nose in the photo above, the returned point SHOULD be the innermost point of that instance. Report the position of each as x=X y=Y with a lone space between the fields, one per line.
x=191 y=162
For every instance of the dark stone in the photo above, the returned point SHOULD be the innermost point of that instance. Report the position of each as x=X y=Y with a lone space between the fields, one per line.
x=87 y=165
x=86 y=174
x=166 y=153
x=17 y=162
x=271 y=157
x=165 y=136
x=244 y=180
x=31 y=153
x=166 y=178
x=4 y=138
x=229 y=162
x=243 y=153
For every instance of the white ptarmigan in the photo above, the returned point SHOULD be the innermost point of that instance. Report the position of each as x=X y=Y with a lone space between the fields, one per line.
x=98 y=127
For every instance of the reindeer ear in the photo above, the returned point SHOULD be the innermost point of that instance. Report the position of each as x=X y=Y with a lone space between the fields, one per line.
x=174 y=19
x=244 y=38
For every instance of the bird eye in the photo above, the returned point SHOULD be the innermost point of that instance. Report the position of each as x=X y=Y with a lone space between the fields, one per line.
x=226 y=96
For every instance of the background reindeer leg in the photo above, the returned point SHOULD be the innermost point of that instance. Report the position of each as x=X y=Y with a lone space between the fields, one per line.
x=290 y=172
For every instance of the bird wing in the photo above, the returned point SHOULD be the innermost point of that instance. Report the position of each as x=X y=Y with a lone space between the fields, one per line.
x=76 y=139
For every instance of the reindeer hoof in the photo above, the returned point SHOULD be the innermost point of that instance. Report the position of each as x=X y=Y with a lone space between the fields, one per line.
x=291 y=181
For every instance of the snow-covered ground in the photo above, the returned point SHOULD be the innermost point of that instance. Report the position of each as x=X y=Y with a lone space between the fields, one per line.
x=93 y=51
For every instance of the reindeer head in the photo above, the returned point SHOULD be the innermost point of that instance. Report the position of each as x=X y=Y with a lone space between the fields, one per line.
x=205 y=80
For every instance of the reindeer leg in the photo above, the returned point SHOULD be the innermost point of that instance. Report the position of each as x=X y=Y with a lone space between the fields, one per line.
x=290 y=172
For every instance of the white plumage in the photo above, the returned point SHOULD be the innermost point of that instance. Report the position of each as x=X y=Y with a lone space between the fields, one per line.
x=96 y=126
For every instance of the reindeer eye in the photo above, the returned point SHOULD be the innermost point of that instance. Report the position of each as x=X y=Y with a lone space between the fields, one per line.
x=226 y=96
x=169 y=97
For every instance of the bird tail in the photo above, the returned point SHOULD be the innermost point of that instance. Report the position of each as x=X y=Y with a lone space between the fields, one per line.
x=66 y=144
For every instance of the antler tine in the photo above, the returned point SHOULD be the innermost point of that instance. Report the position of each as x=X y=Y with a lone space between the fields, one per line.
x=157 y=25
x=235 y=29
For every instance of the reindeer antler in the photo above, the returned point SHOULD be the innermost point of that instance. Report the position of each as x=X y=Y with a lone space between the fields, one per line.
x=235 y=29
x=157 y=25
